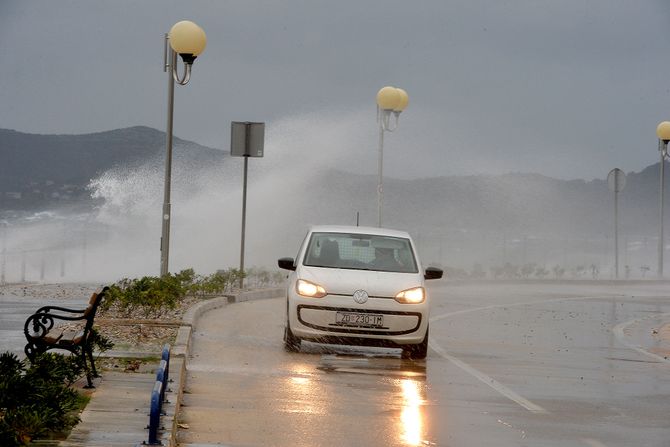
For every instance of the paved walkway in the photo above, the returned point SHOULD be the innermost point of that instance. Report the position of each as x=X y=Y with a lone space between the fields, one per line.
x=118 y=413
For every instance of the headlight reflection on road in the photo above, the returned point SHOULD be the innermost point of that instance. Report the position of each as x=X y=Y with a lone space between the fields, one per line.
x=300 y=380
x=302 y=389
x=410 y=415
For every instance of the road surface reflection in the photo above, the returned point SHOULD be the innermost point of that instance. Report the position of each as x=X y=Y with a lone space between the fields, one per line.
x=411 y=416
x=405 y=390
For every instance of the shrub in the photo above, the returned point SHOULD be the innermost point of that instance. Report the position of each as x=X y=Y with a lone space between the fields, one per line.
x=152 y=297
x=149 y=296
x=37 y=401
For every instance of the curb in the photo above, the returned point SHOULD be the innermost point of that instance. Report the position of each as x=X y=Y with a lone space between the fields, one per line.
x=182 y=348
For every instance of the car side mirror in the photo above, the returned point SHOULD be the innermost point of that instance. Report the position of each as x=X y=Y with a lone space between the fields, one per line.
x=433 y=273
x=286 y=263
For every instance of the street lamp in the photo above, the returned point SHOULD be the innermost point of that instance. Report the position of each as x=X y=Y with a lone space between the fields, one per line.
x=663 y=134
x=390 y=100
x=188 y=40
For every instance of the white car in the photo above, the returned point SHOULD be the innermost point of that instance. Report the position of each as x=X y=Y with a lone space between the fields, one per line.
x=360 y=286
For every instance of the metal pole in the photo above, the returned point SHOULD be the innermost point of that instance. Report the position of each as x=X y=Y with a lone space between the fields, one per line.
x=244 y=218
x=663 y=148
x=165 y=233
x=380 y=170
x=4 y=265
x=616 y=225
x=23 y=266
x=4 y=255
x=83 y=253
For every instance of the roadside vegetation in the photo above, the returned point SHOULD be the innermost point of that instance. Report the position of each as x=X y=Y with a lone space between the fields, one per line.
x=153 y=297
x=38 y=400
x=41 y=400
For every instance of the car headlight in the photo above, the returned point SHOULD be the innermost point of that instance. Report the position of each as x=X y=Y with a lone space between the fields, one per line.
x=309 y=289
x=411 y=296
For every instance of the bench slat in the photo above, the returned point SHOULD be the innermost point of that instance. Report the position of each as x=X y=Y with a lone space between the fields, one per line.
x=71 y=337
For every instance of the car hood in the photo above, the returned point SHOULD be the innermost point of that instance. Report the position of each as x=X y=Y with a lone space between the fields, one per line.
x=346 y=282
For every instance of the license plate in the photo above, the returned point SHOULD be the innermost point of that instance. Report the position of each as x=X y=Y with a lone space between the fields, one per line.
x=359 y=320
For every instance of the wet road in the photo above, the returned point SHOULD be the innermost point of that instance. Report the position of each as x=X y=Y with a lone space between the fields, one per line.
x=508 y=365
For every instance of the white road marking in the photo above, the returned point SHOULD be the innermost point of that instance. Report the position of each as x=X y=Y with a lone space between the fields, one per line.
x=620 y=336
x=499 y=387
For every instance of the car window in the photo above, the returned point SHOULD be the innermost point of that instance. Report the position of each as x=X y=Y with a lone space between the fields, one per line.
x=360 y=252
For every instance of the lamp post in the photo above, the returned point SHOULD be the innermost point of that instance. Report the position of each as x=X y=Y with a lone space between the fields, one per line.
x=188 y=40
x=663 y=134
x=390 y=100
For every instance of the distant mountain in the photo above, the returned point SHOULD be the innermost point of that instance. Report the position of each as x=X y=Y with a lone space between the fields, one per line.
x=39 y=169
x=521 y=204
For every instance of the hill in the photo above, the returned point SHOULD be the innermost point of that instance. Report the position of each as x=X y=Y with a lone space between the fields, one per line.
x=41 y=171
x=44 y=170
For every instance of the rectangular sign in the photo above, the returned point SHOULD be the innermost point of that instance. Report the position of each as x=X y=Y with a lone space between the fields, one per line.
x=247 y=139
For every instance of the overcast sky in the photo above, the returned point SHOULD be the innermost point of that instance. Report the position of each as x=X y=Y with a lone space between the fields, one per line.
x=566 y=88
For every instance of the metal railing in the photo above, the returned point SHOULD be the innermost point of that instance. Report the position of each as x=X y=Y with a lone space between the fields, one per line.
x=158 y=398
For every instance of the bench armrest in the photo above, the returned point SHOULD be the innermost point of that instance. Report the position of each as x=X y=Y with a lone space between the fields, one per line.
x=38 y=325
x=46 y=309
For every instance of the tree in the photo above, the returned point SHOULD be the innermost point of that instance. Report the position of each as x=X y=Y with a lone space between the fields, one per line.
x=541 y=272
x=558 y=271
x=527 y=270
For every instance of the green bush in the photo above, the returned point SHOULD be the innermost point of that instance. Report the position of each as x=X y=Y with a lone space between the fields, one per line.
x=221 y=281
x=37 y=401
x=148 y=296
x=152 y=297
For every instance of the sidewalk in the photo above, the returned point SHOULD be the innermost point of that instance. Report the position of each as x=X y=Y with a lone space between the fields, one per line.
x=118 y=413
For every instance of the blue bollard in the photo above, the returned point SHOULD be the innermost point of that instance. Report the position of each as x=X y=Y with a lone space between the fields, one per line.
x=161 y=376
x=166 y=352
x=155 y=414
x=158 y=396
x=166 y=356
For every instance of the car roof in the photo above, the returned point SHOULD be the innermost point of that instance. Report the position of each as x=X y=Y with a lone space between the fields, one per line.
x=358 y=230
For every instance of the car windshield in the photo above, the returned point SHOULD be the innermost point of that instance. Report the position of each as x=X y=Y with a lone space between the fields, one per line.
x=360 y=252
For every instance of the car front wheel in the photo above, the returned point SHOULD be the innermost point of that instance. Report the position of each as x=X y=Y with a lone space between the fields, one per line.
x=418 y=351
x=291 y=342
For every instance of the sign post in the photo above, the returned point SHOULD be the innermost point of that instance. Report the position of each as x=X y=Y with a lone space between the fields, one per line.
x=246 y=140
x=616 y=181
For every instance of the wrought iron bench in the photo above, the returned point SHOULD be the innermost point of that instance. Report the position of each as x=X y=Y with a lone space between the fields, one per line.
x=72 y=333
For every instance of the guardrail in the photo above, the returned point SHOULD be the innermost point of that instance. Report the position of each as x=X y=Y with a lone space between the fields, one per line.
x=158 y=398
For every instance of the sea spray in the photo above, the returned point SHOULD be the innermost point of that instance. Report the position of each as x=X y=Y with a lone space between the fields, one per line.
x=206 y=199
